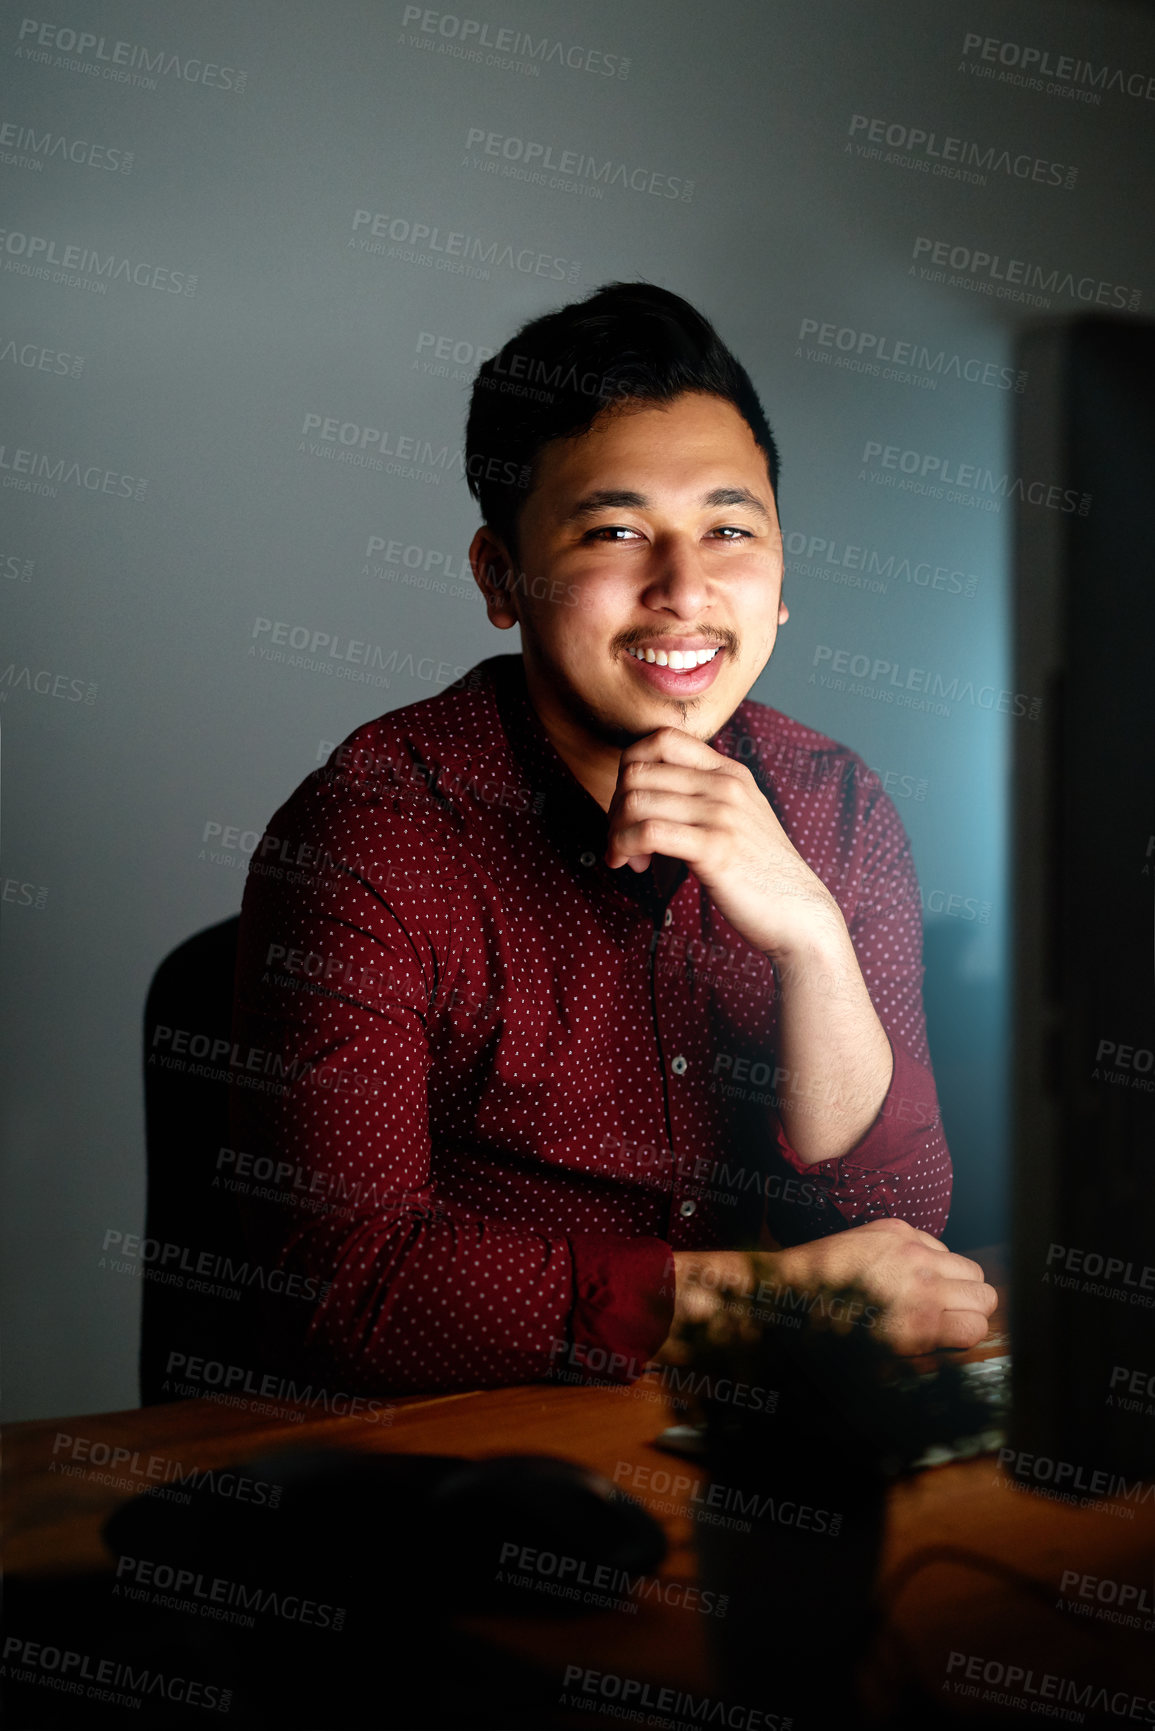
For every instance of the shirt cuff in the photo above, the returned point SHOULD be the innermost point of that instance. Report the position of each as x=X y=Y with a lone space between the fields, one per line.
x=865 y=1183
x=623 y=1304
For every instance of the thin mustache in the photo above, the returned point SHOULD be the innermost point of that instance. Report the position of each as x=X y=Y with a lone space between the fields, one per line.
x=723 y=642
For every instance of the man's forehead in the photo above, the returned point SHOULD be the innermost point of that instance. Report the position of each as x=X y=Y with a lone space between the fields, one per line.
x=591 y=502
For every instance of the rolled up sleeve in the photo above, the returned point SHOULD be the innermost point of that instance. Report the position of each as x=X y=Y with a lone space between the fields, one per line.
x=901 y=1166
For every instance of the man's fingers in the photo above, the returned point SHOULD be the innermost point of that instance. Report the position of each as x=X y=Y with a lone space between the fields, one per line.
x=966 y=1295
x=911 y=1336
x=960 y=1268
x=656 y=773
x=930 y=1241
x=673 y=745
x=657 y=834
x=961 y=1328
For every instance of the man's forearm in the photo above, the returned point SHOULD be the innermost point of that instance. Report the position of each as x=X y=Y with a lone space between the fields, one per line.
x=927 y=1296
x=831 y=1045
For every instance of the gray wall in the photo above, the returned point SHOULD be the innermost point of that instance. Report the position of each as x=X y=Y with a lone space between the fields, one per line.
x=184 y=494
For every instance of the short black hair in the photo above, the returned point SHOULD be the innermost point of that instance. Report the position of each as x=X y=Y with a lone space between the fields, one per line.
x=627 y=341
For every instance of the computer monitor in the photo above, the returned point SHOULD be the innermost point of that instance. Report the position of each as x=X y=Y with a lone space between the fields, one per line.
x=1083 y=1059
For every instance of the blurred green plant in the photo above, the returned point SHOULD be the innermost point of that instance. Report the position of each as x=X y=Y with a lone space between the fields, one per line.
x=843 y=1393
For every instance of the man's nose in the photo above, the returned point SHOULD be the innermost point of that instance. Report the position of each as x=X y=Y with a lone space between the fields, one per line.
x=676 y=581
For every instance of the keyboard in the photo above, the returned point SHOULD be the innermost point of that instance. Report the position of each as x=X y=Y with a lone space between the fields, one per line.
x=988 y=1379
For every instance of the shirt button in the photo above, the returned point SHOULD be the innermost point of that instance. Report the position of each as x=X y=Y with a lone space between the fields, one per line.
x=588 y=858
x=669 y=919
x=688 y=1207
x=679 y=1066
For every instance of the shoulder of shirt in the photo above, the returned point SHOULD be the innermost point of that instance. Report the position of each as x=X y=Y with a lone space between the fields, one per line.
x=782 y=747
x=448 y=729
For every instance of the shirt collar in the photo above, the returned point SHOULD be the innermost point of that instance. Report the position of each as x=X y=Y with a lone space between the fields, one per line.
x=571 y=814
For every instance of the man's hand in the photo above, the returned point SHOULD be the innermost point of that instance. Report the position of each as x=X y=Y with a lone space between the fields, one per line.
x=928 y=1297
x=678 y=797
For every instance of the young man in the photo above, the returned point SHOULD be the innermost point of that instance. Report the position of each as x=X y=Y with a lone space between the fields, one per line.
x=596 y=972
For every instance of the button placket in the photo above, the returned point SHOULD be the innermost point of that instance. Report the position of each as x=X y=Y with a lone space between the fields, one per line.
x=674 y=1018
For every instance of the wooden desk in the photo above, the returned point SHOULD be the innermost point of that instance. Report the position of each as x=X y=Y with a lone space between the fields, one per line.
x=982 y=1608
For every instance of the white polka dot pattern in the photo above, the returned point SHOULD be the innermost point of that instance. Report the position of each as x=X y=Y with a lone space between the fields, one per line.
x=511 y=1080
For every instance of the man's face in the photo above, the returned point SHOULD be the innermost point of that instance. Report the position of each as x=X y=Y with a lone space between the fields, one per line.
x=653 y=537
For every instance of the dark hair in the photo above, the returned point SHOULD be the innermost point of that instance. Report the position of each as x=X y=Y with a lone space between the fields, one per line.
x=625 y=342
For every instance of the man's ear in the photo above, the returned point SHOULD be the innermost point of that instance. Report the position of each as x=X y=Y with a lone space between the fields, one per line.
x=783 y=613
x=492 y=570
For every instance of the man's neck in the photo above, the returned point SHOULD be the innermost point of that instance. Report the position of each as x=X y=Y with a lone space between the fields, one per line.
x=592 y=763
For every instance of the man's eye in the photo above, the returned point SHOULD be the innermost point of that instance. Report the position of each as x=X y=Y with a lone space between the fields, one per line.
x=726 y=529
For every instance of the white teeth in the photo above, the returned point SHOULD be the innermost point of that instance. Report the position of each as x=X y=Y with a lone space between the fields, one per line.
x=682 y=660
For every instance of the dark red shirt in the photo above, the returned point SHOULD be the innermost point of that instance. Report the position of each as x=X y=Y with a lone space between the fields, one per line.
x=498 y=1083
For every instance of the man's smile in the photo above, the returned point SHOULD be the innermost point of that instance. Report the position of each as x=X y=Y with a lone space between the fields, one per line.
x=679 y=672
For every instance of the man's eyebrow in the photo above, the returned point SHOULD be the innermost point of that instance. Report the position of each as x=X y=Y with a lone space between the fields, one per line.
x=620 y=498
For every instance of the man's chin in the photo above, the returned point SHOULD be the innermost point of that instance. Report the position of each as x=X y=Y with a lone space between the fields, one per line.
x=621 y=727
